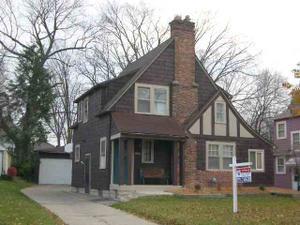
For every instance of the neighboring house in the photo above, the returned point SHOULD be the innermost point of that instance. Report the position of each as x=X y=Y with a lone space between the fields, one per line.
x=287 y=139
x=55 y=165
x=163 y=121
x=5 y=155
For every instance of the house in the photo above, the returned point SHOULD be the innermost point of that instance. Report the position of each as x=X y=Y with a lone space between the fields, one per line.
x=163 y=120
x=5 y=156
x=55 y=164
x=286 y=137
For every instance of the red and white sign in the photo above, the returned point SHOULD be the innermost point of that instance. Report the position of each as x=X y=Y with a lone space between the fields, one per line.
x=243 y=174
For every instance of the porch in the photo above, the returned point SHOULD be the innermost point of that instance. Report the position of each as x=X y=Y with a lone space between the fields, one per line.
x=145 y=164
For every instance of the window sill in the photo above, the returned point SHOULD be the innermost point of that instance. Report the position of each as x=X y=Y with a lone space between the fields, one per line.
x=280 y=138
x=220 y=123
x=280 y=173
x=257 y=171
x=153 y=114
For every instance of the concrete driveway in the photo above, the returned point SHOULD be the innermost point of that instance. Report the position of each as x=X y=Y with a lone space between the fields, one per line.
x=80 y=209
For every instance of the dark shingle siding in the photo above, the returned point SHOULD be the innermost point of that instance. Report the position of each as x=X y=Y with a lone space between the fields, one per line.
x=161 y=72
x=206 y=88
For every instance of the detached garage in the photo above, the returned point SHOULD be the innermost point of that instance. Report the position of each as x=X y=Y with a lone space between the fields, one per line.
x=55 y=166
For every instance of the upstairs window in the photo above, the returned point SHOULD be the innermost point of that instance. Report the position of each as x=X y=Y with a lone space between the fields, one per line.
x=295 y=136
x=219 y=155
x=281 y=130
x=256 y=156
x=85 y=109
x=220 y=112
x=152 y=99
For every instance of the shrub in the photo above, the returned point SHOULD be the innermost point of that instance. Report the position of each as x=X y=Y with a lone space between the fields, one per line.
x=197 y=187
x=26 y=170
x=262 y=187
x=5 y=177
x=12 y=171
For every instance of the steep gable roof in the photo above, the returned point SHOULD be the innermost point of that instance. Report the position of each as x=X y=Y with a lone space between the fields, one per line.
x=140 y=65
x=132 y=68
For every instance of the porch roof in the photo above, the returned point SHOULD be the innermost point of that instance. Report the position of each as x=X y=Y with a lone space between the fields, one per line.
x=147 y=125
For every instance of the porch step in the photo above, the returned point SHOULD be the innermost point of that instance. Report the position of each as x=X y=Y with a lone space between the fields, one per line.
x=126 y=193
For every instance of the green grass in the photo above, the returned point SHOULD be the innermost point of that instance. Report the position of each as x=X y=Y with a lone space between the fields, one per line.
x=17 y=209
x=253 y=210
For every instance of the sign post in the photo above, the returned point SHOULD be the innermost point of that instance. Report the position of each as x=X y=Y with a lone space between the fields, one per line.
x=241 y=173
x=234 y=185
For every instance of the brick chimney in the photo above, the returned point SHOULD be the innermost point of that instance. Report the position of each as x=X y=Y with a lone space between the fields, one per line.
x=184 y=88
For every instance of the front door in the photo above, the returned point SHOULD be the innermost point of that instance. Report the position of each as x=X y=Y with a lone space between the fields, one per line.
x=87 y=173
x=116 y=162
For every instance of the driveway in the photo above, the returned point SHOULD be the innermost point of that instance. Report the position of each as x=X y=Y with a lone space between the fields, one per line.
x=80 y=209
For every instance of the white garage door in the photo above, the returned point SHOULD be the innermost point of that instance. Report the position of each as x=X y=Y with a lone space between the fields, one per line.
x=55 y=171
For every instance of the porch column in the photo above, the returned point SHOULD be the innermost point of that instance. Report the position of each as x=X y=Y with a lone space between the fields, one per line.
x=176 y=168
x=130 y=161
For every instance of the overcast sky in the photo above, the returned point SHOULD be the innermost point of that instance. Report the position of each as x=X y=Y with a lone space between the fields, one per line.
x=272 y=26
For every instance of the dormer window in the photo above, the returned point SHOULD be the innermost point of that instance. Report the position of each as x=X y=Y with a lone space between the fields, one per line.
x=151 y=99
x=281 y=130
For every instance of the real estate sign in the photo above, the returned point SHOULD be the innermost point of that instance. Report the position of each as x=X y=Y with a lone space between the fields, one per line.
x=243 y=174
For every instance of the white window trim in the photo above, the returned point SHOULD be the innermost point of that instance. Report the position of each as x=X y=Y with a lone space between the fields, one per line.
x=263 y=159
x=277 y=133
x=292 y=139
x=219 y=143
x=85 y=116
x=225 y=116
x=152 y=152
x=102 y=167
x=76 y=160
x=276 y=162
x=152 y=100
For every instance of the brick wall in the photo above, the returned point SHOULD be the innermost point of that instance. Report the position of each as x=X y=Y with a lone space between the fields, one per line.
x=184 y=89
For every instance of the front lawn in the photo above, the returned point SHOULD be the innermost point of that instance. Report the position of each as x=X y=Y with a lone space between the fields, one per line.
x=17 y=209
x=171 y=210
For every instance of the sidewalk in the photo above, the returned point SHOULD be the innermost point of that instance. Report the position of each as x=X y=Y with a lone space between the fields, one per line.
x=79 y=209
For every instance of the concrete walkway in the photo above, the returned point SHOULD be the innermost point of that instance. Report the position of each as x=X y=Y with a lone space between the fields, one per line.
x=80 y=209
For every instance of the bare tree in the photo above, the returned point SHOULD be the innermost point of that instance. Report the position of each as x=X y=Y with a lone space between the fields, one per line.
x=34 y=32
x=125 y=33
x=222 y=53
x=63 y=110
x=45 y=23
x=266 y=99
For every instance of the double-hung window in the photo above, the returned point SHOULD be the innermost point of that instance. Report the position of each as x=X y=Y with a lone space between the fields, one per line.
x=281 y=130
x=219 y=155
x=295 y=140
x=148 y=151
x=77 y=153
x=220 y=112
x=280 y=165
x=85 y=109
x=151 y=99
x=102 y=159
x=256 y=156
